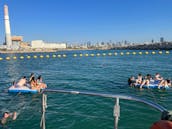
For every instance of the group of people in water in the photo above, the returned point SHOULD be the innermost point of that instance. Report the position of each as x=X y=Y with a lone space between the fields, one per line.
x=148 y=79
x=32 y=83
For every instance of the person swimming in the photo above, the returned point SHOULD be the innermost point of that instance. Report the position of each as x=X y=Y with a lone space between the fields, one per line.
x=6 y=116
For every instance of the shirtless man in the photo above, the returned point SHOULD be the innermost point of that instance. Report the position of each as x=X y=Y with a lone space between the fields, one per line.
x=6 y=116
x=21 y=82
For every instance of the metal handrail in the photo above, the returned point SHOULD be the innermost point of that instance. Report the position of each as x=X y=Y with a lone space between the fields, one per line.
x=150 y=103
x=116 y=112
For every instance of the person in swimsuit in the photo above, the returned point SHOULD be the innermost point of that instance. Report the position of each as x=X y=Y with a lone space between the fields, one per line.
x=31 y=76
x=40 y=82
x=21 y=82
x=158 y=79
x=6 y=116
x=33 y=83
x=139 y=79
x=165 y=83
x=146 y=81
x=132 y=81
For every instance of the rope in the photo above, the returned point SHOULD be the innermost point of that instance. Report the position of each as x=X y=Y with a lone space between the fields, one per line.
x=55 y=55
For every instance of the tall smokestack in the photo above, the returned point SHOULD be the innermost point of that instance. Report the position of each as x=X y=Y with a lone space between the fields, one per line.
x=8 y=41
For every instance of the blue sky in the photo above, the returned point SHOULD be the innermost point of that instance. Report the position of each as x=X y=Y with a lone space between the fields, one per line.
x=89 y=20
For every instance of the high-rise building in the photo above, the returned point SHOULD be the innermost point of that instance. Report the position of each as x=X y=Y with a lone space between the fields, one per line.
x=152 y=41
x=161 y=39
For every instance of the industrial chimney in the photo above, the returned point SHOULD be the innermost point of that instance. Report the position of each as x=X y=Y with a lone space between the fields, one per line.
x=8 y=41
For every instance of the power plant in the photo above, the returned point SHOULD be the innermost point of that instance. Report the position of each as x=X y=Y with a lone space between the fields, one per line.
x=16 y=42
x=11 y=42
x=8 y=41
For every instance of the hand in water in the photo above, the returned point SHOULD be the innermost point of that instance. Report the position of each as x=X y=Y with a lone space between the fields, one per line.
x=14 y=115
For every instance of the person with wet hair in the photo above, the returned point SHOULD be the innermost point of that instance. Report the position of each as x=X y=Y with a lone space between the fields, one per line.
x=40 y=82
x=33 y=83
x=31 y=76
x=132 y=81
x=7 y=116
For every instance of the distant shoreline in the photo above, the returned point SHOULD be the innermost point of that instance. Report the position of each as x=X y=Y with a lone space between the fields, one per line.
x=22 y=51
x=167 y=46
x=38 y=51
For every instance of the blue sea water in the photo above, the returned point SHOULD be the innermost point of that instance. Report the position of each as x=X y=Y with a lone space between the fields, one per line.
x=103 y=74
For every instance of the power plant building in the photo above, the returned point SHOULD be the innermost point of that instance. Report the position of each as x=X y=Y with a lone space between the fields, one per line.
x=16 y=42
x=8 y=40
x=40 y=44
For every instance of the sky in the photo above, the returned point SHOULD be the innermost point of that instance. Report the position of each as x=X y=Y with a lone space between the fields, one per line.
x=89 y=20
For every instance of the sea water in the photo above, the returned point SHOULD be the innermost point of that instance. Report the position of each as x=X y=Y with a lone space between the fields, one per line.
x=102 y=74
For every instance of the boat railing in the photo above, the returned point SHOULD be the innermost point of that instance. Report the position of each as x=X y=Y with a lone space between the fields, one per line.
x=116 y=110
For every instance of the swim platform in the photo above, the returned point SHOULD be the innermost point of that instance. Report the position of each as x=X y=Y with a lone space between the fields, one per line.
x=152 y=86
x=22 y=89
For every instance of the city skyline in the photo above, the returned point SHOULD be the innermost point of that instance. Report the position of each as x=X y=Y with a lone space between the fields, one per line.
x=89 y=20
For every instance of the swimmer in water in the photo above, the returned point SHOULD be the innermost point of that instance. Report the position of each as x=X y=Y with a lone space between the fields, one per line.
x=132 y=81
x=7 y=116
